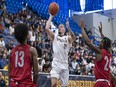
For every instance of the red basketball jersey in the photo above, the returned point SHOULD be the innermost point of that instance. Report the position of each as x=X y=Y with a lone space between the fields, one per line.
x=20 y=64
x=102 y=69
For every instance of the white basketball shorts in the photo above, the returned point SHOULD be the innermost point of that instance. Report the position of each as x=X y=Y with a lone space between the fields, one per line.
x=60 y=71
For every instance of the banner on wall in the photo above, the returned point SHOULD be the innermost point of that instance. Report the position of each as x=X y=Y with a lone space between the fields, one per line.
x=44 y=80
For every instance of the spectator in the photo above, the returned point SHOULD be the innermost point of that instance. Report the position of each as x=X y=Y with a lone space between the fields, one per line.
x=40 y=66
x=47 y=66
x=2 y=43
x=3 y=61
x=10 y=45
x=74 y=65
x=1 y=28
x=91 y=71
x=78 y=70
x=7 y=21
x=11 y=29
x=39 y=49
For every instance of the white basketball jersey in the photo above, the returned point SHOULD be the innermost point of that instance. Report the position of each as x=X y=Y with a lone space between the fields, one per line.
x=61 y=48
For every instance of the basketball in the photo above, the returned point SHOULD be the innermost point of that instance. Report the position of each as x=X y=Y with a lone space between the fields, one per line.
x=53 y=8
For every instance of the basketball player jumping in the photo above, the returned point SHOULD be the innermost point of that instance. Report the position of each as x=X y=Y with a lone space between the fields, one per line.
x=23 y=59
x=113 y=79
x=61 y=46
x=103 y=58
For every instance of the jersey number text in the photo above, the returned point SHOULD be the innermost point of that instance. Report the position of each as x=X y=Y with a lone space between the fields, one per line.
x=19 y=58
x=108 y=62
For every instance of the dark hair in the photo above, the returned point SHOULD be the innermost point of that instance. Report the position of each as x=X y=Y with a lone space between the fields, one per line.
x=21 y=32
x=106 y=43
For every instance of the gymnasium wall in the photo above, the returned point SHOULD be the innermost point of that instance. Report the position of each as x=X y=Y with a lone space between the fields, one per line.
x=114 y=25
x=106 y=23
x=92 y=21
x=88 y=19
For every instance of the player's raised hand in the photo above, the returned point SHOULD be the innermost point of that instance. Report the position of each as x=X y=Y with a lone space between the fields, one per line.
x=67 y=24
x=100 y=27
x=81 y=23
x=100 y=30
x=51 y=15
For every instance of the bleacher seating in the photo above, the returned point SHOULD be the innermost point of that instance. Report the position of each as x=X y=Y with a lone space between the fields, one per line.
x=42 y=10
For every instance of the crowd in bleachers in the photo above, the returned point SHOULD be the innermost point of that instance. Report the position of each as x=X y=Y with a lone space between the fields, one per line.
x=80 y=56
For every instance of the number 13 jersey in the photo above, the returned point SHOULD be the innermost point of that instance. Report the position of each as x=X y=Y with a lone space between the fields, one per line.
x=20 y=64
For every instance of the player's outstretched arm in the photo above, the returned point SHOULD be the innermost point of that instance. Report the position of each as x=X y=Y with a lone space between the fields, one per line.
x=88 y=42
x=34 y=56
x=48 y=31
x=72 y=37
x=100 y=30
